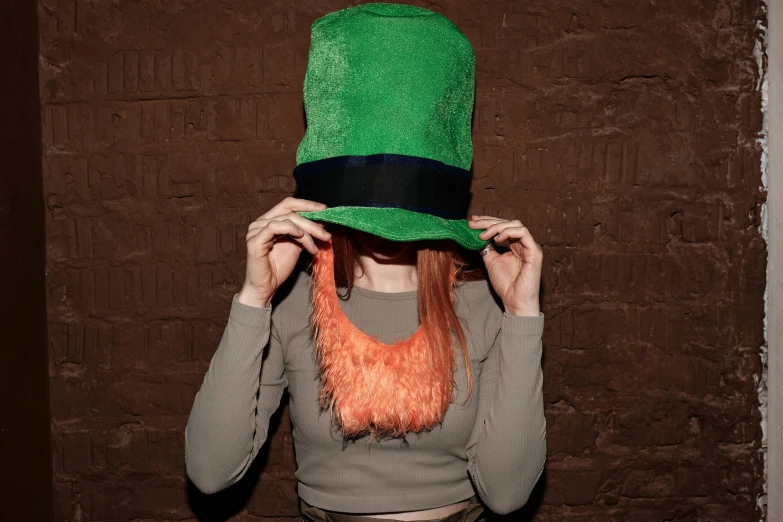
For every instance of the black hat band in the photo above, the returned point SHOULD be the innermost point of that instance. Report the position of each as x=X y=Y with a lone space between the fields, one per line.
x=387 y=180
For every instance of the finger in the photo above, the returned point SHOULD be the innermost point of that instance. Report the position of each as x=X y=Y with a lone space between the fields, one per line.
x=259 y=224
x=267 y=234
x=299 y=204
x=493 y=229
x=301 y=236
x=308 y=225
x=490 y=256
x=290 y=204
x=511 y=233
x=482 y=217
x=522 y=233
x=285 y=227
x=252 y=232
x=305 y=224
x=483 y=222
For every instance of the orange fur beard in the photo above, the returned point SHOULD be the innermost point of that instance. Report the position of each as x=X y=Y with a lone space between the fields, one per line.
x=384 y=390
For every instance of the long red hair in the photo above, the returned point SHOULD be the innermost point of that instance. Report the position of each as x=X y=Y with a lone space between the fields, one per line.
x=436 y=263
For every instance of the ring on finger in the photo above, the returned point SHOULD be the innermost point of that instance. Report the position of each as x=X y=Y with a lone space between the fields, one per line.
x=487 y=248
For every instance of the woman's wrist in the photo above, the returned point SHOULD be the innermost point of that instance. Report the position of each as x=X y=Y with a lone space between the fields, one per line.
x=525 y=310
x=247 y=296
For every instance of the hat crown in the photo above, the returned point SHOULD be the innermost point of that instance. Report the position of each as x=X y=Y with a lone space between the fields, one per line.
x=388 y=79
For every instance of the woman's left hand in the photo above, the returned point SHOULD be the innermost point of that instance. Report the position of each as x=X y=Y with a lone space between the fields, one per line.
x=515 y=275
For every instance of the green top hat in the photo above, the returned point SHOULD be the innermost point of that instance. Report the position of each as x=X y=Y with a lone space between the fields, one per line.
x=388 y=94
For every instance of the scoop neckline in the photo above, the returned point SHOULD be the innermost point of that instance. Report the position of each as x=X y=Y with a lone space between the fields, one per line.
x=375 y=294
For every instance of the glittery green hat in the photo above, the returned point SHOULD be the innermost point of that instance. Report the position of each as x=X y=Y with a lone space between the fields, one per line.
x=388 y=95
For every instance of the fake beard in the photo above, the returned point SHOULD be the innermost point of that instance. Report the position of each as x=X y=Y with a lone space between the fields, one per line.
x=384 y=390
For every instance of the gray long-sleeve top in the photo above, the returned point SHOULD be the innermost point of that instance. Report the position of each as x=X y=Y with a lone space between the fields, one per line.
x=494 y=446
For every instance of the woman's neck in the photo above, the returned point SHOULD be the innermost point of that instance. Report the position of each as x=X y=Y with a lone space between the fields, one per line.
x=386 y=276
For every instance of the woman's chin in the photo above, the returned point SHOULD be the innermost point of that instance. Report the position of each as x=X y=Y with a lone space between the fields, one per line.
x=386 y=257
x=382 y=249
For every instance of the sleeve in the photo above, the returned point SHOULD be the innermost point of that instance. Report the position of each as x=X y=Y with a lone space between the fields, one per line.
x=242 y=388
x=507 y=449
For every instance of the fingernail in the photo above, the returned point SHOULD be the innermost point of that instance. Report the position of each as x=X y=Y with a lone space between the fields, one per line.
x=327 y=234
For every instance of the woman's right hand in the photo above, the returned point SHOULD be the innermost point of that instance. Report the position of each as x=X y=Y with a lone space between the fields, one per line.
x=274 y=242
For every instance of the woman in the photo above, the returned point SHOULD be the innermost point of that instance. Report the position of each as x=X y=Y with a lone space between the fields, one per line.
x=224 y=431
x=415 y=387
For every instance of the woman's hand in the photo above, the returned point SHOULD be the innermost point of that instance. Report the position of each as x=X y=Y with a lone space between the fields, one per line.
x=274 y=242
x=515 y=275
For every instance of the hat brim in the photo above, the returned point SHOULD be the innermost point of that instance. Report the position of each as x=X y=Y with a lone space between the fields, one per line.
x=398 y=224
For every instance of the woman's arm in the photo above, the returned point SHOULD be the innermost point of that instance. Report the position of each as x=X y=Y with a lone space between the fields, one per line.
x=507 y=449
x=229 y=421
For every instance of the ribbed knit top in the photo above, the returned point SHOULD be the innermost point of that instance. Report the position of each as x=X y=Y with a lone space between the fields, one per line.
x=495 y=445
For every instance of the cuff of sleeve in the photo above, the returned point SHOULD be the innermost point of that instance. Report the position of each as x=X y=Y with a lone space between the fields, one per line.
x=523 y=325
x=249 y=315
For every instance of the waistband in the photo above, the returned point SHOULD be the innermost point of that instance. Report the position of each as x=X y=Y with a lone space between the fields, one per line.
x=473 y=512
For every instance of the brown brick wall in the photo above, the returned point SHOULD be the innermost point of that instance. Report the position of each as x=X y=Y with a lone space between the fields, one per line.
x=622 y=133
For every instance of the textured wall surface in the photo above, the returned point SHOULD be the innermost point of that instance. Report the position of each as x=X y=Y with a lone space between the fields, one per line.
x=622 y=133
